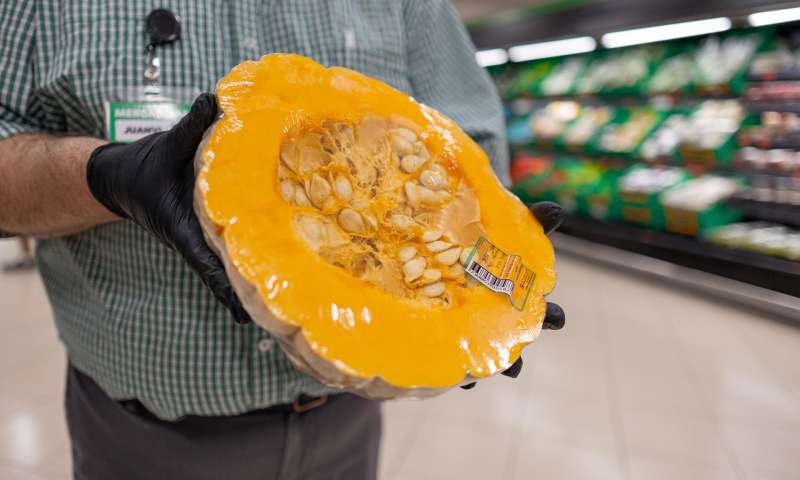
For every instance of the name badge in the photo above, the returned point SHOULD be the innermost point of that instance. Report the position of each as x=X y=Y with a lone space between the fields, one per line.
x=130 y=121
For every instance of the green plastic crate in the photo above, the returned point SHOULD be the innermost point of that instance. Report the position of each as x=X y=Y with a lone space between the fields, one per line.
x=645 y=208
x=694 y=223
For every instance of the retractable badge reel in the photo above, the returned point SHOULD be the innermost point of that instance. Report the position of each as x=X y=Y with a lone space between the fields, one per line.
x=164 y=28
x=152 y=107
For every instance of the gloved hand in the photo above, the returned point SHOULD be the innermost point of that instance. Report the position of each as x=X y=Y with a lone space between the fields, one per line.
x=550 y=215
x=151 y=183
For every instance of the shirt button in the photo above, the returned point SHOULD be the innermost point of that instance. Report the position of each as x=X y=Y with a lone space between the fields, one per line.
x=349 y=39
x=250 y=43
x=265 y=345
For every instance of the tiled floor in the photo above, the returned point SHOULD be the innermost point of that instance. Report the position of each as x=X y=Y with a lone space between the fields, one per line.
x=646 y=382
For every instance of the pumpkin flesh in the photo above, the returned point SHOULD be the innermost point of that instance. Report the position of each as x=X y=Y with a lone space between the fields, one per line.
x=350 y=208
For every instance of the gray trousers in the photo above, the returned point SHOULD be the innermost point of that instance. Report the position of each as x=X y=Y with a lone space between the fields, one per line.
x=122 y=441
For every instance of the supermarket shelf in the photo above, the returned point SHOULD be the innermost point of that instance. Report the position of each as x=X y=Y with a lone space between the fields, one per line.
x=786 y=214
x=751 y=172
x=694 y=166
x=620 y=159
x=778 y=143
x=695 y=280
x=771 y=273
x=758 y=106
x=629 y=100
x=781 y=76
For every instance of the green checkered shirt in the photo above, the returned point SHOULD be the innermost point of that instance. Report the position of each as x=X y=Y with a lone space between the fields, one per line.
x=130 y=312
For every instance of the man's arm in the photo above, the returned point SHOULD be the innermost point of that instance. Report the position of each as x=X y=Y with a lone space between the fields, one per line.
x=43 y=189
x=62 y=185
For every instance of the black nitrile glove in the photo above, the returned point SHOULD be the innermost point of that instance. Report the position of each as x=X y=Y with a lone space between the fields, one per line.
x=550 y=215
x=151 y=183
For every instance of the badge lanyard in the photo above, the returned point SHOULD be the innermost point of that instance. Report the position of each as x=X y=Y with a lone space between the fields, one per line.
x=138 y=112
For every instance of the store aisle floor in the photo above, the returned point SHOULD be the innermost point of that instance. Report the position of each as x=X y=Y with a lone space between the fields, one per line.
x=645 y=382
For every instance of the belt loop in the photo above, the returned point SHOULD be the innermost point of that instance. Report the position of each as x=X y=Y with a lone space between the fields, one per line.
x=310 y=405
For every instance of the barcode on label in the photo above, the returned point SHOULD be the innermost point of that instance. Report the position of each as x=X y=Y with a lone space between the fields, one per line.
x=500 y=272
x=487 y=278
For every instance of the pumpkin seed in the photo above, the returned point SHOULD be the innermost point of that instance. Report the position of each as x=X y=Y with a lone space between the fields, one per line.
x=402 y=222
x=411 y=194
x=433 y=290
x=401 y=145
x=351 y=221
x=431 y=275
x=406 y=253
x=421 y=151
x=456 y=270
x=283 y=172
x=287 y=190
x=413 y=268
x=289 y=156
x=411 y=163
x=434 y=179
x=311 y=159
x=440 y=197
x=431 y=236
x=312 y=229
x=404 y=133
x=319 y=190
x=438 y=246
x=448 y=257
x=428 y=197
x=300 y=197
x=343 y=187
x=373 y=223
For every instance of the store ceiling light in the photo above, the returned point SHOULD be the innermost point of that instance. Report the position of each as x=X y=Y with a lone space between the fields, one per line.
x=626 y=38
x=489 y=58
x=555 y=48
x=760 y=19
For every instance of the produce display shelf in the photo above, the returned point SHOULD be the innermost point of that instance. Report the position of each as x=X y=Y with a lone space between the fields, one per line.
x=778 y=143
x=786 y=214
x=677 y=99
x=759 y=106
x=750 y=172
x=754 y=268
x=693 y=281
x=780 y=76
x=695 y=166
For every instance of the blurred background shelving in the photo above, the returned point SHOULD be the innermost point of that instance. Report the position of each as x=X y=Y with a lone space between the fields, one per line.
x=673 y=136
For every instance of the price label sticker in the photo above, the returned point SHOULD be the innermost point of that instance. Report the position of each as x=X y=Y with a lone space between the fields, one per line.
x=500 y=272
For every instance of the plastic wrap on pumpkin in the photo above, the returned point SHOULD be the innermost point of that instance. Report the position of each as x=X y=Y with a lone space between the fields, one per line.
x=366 y=231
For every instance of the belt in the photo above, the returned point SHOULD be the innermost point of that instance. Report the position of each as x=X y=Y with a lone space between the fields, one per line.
x=302 y=404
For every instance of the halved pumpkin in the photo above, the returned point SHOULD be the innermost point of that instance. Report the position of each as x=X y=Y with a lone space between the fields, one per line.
x=345 y=212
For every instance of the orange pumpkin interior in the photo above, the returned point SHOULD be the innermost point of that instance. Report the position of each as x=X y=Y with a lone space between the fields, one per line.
x=344 y=202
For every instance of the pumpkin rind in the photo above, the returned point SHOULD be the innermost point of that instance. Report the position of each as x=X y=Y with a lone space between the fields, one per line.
x=345 y=331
